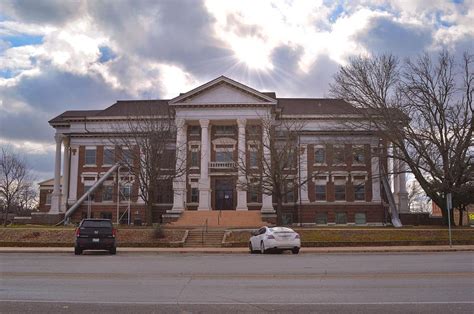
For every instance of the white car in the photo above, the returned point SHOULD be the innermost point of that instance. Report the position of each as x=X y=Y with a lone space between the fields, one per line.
x=268 y=239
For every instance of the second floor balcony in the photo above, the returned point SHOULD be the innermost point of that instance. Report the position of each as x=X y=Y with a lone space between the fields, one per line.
x=222 y=165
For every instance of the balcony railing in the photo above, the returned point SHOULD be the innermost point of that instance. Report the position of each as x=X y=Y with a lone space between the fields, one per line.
x=221 y=164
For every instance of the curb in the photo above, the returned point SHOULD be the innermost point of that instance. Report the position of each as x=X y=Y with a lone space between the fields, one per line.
x=333 y=250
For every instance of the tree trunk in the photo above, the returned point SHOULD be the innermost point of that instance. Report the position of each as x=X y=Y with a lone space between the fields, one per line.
x=461 y=212
x=149 y=208
x=279 y=211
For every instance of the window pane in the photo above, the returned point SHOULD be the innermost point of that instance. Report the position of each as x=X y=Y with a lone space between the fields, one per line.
x=360 y=219
x=87 y=188
x=48 y=199
x=224 y=156
x=339 y=156
x=107 y=193
x=358 y=155
x=287 y=218
x=90 y=156
x=109 y=156
x=195 y=159
x=341 y=218
x=253 y=159
x=321 y=218
x=320 y=192
x=127 y=157
x=125 y=192
x=319 y=155
x=106 y=215
x=340 y=192
x=194 y=195
x=359 y=192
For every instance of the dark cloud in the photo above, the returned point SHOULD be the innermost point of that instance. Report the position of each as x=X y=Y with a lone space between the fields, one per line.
x=403 y=40
x=48 y=95
x=176 y=32
x=43 y=11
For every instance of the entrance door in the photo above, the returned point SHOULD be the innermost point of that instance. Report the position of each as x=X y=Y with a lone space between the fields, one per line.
x=224 y=195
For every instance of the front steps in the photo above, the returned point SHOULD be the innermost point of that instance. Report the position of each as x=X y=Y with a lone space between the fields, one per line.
x=203 y=238
x=220 y=219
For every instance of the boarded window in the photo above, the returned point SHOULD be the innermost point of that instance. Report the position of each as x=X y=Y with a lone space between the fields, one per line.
x=360 y=219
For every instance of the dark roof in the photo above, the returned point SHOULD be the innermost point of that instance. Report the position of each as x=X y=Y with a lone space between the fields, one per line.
x=135 y=107
x=74 y=114
x=324 y=106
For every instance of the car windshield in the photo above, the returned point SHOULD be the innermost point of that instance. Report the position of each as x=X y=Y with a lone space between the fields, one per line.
x=96 y=224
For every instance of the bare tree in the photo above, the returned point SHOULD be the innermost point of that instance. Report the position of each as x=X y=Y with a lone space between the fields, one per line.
x=417 y=199
x=147 y=145
x=424 y=109
x=272 y=166
x=15 y=178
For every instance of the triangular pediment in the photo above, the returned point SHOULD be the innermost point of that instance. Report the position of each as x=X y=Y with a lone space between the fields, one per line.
x=222 y=91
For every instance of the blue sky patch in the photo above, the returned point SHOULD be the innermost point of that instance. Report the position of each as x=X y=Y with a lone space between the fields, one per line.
x=6 y=73
x=24 y=40
x=106 y=54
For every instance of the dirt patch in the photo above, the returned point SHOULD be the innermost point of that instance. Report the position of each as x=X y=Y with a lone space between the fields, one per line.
x=364 y=237
x=65 y=237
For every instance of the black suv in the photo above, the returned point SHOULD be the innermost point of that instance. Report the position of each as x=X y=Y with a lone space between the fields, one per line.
x=95 y=234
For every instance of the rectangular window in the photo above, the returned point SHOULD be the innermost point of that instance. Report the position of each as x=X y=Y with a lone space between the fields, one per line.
x=127 y=157
x=109 y=156
x=90 y=158
x=290 y=193
x=106 y=215
x=195 y=160
x=322 y=218
x=194 y=130
x=253 y=156
x=107 y=193
x=341 y=218
x=358 y=156
x=359 y=191
x=319 y=155
x=125 y=192
x=339 y=154
x=320 y=191
x=87 y=188
x=253 y=194
x=48 y=199
x=287 y=218
x=253 y=130
x=225 y=129
x=194 y=195
x=360 y=219
x=224 y=156
x=340 y=192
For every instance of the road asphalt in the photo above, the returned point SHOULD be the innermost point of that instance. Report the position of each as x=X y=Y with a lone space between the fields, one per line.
x=305 y=250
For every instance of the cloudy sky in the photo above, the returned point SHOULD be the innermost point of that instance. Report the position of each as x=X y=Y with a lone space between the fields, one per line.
x=59 y=55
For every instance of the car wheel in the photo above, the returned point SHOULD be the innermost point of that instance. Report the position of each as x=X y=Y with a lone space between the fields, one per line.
x=252 y=251
x=77 y=251
x=113 y=250
x=262 y=248
x=295 y=250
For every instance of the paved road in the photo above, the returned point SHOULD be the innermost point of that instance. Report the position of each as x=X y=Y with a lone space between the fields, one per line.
x=329 y=283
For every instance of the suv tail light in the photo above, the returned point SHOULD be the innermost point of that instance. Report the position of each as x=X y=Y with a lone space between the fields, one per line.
x=270 y=236
x=78 y=231
x=114 y=232
x=297 y=236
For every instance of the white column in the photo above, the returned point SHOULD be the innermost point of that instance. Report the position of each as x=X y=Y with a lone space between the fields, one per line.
x=375 y=168
x=242 y=156
x=179 y=183
x=267 y=202
x=65 y=185
x=402 y=194
x=56 y=196
x=204 y=181
x=74 y=169
x=303 y=171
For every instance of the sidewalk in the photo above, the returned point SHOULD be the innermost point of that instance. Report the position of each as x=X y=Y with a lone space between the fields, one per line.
x=305 y=250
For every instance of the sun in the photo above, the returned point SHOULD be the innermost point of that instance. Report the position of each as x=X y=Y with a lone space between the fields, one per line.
x=253 y=52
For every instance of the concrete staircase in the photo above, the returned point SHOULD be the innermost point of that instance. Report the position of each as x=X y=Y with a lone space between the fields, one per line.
x=198 y=238
x=222 y=219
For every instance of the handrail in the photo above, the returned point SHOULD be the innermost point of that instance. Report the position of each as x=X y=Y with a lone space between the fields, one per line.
x=202 y=232
x=391 y=201
x=89 y=192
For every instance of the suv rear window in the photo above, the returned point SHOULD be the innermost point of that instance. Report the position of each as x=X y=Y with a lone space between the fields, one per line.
x=96 y=224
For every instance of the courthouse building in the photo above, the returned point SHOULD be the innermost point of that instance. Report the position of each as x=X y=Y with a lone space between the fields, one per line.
x=339 y=165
